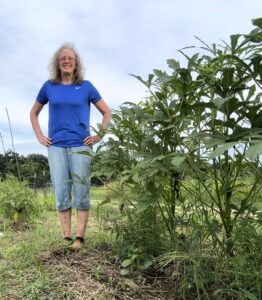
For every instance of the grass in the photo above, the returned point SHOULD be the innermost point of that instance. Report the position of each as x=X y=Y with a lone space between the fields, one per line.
x=20 y=271
x=34 y=264
x=98 y=193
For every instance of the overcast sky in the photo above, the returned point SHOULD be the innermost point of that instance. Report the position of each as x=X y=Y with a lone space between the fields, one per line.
x=114 y=38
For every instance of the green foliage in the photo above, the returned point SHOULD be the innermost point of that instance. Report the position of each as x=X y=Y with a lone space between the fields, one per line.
x=202 y=121
x=135 y=260
x=183 y=154
x=17 y=201
x=46 y=199
x=32 y=168
x=201 y=275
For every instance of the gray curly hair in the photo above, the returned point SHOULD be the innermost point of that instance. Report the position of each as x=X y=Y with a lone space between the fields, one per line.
x=55 y=73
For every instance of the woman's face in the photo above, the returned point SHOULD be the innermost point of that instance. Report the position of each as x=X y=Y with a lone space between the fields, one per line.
x=67 y=62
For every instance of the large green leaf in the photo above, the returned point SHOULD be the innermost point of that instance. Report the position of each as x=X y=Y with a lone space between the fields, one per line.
x=177 y=85
x=106 y=201
x=173 y=64
x=256 y=61
x=158 y=115
x=227 y=105
x=221 y=149
x=241 y=133
x=254 y=151
x=231 y=123
x=192 y=61
x=253 y=114
x=178 y=161
x=257 y=22
x=227 y=77
x=234 y=40
x=211 y=142
x=161 y=106
x=127 y=262
x=219 y=102
x=163 y=76
x=251 y=92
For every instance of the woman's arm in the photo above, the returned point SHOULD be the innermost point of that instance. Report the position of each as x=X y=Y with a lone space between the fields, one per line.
x=36 y=109
x=106 y=112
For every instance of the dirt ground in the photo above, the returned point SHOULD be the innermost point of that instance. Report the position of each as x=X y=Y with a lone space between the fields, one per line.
x=94 y=274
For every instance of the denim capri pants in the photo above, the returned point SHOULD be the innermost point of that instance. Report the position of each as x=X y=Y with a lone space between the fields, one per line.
x=70 y=174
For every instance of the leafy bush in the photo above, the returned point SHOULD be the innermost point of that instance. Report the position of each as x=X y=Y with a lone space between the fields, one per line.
x=184 y=153
x=17 y=201
x=202 y=122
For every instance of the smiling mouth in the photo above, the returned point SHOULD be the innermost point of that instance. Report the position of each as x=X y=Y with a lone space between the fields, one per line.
x=68 y=68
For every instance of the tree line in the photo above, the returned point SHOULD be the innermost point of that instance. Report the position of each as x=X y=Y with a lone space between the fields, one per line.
x=32 y=168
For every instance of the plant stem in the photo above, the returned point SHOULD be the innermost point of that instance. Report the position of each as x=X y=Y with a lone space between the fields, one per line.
x=11 y=133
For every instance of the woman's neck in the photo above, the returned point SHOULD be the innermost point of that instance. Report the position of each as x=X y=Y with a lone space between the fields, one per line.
x=67 y=79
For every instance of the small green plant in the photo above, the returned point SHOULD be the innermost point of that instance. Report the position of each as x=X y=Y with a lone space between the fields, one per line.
x=96 y=271
x=17 y=201
x=135 y=260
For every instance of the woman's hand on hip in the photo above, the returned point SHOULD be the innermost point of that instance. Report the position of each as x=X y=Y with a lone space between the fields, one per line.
x=44 y=140
x=91 y=140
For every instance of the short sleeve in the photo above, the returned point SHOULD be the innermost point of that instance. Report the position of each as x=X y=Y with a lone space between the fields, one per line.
x=94 y=95
x=42 y=95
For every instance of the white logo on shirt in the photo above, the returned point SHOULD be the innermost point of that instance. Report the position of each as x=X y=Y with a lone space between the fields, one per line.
x=78 y=87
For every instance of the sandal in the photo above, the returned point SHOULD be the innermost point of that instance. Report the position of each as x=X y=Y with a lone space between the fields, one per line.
x=67 y=241
x=78 y=243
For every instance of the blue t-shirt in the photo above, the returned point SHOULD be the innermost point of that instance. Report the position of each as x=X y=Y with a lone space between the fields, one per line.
x=69 y=111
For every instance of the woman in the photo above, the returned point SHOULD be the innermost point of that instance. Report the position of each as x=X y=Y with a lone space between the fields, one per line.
x=69 y=97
